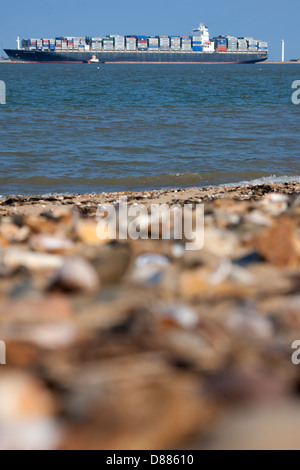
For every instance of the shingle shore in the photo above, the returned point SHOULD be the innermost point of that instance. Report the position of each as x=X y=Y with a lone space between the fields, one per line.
x=141 y=344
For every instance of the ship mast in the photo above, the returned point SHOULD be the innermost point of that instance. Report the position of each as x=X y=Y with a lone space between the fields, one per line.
x=18 y=43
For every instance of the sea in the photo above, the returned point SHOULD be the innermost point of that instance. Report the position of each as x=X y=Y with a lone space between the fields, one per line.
x=75 y=128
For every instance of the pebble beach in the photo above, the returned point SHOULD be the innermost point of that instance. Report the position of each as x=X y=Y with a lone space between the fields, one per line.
x=140 y=344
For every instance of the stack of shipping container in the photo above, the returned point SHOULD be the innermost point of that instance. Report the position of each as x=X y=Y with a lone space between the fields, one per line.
x=82 y=44
x=76 y=44
x=96 y=44
x=186 y=44
x=58 y=45
x=70 y=44
x=39 y=44
x=196 y=44
x=119 y=43
x=232 y=44
x=130 y=43
x=175 y=43
x=164 y=43
x=252 y=45
x=46 y=44
x=26 y=44
x=262 y=46
x=33 y=44
x=153 y=44
x=221 y=44
x=242 y=45
x=142 y=43
x=108 y=44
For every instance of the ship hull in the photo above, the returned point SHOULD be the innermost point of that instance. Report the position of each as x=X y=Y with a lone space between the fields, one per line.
x=137 y=57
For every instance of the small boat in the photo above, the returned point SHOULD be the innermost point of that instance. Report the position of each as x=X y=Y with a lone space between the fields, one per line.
x=94 y=60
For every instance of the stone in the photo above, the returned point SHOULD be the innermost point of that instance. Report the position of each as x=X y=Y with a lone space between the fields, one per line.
x=256 y=427
x=221 y=243
x=51 y=244
x=279 y=245
x=26 y=414
x=258 y=217
x=35 y=309
x=78 y=275
x=87 y=233
x=177 y=314
x=23 y=397
x=38 y=224
x=14 y=258
x=32 y=434
x=12 y=233
x=151 y=401
x=111 y=262
x=148 y=268
x=247 y=323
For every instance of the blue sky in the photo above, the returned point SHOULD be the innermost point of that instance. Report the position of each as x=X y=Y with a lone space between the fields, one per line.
x=270 y=20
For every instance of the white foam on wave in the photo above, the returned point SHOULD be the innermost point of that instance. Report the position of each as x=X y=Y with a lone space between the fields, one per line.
x=267 y=180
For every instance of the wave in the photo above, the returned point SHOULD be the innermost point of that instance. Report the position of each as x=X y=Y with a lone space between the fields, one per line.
x=44 y=186
x=267 y=180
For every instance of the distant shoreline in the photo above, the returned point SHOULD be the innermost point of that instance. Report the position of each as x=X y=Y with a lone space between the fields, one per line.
x=281 y=63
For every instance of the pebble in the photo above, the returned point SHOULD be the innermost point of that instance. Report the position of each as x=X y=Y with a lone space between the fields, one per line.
x=50 y=335
x=23 y=397
x=257 y=217
x=51 y=244
x=111 y=262
x=148 y=268
x=31 y=434
x=250 y=324
x=280 y=244
x=87 y=233
x=177 y=314
x=14 y=258
x=76 y=274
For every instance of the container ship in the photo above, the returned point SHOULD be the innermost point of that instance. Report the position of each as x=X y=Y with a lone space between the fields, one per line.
x=197 y=48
